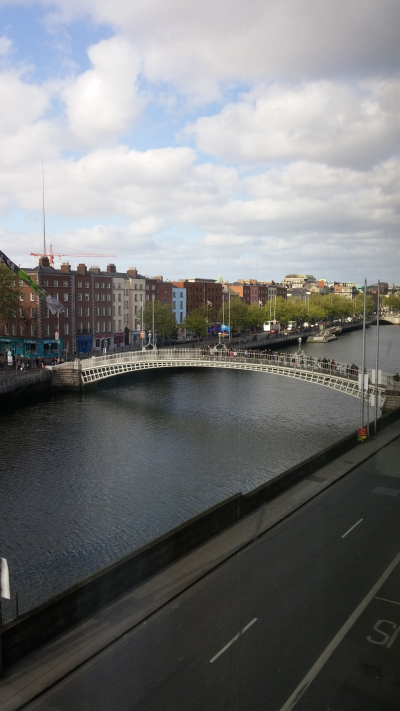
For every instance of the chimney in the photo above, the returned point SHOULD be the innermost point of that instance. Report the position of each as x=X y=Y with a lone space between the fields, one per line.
x=94 y=270
x=132 y=271
x=111 y=268
x=159 y=277
x=44 y=262
x=81 y=269
x=65 y=267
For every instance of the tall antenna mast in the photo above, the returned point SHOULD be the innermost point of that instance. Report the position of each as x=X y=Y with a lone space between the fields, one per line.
x=44 y=220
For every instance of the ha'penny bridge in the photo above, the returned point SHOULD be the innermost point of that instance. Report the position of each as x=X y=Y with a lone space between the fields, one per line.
x=337 y=376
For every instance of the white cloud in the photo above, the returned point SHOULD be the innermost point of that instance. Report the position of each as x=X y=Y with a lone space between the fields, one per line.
x=103 y=103
x=328 y=122
x=5 y=46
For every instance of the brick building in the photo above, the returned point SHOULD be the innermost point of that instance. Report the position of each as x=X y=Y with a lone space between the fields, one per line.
x=200 y=292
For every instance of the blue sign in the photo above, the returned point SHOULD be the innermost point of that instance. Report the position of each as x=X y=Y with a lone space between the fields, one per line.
x=224 y=328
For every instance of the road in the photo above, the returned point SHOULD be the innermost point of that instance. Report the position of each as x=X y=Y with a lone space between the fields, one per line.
x=307 y=617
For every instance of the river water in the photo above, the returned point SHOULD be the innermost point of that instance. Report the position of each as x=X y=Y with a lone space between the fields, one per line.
x=86 y=478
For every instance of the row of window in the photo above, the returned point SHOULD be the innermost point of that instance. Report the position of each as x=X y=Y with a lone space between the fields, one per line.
x=174 y=294
x=174 y=304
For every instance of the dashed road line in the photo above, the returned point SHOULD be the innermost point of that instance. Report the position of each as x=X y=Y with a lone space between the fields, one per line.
x=350 y=529
x=236 y=637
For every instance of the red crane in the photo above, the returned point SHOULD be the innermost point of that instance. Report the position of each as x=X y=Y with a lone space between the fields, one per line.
x=52 y=254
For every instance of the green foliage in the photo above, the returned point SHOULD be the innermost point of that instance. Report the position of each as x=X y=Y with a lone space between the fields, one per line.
x=358 y=304
x=164 y=318
x=196 y=321
x=393 y=302
x=238 y=313
x=9 y=293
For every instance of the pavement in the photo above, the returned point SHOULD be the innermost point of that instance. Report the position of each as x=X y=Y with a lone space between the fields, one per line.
x=88 y=642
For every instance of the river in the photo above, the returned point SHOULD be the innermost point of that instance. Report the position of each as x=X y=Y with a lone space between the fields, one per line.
x=87 y=478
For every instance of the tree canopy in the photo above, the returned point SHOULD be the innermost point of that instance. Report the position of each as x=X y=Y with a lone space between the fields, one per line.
x=164 y=318
x=9 y=293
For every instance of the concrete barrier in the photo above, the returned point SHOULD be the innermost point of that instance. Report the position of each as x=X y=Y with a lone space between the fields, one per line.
x=24 y=634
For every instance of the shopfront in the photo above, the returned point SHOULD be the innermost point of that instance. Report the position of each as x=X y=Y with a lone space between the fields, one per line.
x=31 y=347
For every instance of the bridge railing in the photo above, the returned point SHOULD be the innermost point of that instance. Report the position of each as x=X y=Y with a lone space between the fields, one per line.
x=288 y=360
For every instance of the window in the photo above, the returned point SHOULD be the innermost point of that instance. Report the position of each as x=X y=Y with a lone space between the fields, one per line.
x=113 y=297
x=158 y=290
x=32 y=296
x=174 y=304
x=79 y=296
x=135 y=309
x=109 y=311
x=79 y=285
x=46 y=312
x=87 y=311
x=103 y=297
x=181 y=317
x=65 y=296
x=103 y=326
x=147 y=297
x=87 y=297
x=153 y=287
x=113 y=310
x=165 y=301
x=135 y=297
x=174 y=294
x=119 y=286
x=103 y=311
x=65 y=283
x=181 y=294
x=32 y=329
x=96 y=284
x=108 y=285
x=66 y=311
x=98 y=326
x=22 y=329
x=119 y=311
x=6 y=329
x=108 y=297
x=32 y=313
x=55 y=295
x=88 y=326
x=108 y=325
x=96 y=297
x=14 y=329
x=119 y=297
x=21 y=313
x=47 y=329
x=141 y=297
x=165 y=290
x=66 y=329
x=86 y=284
x=97 y=309
x=80 y=326
x=55 y=282
x=119 y=325
x=46 y=282
x=79 y=310
x=102 y=284
x=181 y=304
x=147 y=287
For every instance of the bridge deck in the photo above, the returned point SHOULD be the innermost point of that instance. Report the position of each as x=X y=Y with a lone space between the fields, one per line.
x=337 y=376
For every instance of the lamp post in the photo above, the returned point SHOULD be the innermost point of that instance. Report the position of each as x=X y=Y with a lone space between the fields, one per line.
x=377 y=357
x=363 y=358
x=229 y=304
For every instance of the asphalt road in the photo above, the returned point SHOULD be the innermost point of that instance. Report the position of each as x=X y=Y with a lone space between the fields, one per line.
x=307 y=617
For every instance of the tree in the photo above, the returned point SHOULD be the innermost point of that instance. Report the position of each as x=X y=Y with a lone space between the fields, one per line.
x=164 y=318
x=358 y=304
x=393 y=302
x=9 y=293
x=196 y=322
x=238 y=312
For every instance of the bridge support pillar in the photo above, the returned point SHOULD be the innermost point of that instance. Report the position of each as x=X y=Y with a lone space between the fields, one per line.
x=67 y=376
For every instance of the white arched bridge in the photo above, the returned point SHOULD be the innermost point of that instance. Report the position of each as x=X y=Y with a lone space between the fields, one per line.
x=330 y=374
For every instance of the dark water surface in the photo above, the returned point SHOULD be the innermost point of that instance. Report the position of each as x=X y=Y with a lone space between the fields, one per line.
x=87 y=478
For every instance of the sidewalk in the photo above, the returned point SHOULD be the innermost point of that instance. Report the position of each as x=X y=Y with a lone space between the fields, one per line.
x=47 y=666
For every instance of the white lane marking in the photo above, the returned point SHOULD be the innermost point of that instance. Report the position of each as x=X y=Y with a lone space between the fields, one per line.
x=386 y=600
x=350 y=529
x=316 y=668
x=233 y=640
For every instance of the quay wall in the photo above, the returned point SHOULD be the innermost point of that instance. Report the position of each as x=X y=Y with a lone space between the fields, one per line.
x=27 y=632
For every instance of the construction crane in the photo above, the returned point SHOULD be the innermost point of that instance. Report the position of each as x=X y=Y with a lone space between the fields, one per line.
x=52 y=254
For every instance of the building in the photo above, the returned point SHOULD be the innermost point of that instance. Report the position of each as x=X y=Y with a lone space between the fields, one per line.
x=34 y=331
x=179 y=307
x=200 y=292
x=137 y=293
x=348 y=290
x=257 y=292
x=298 y=281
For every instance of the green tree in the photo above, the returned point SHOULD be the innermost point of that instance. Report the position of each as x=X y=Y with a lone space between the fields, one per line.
x=196 y=321
x=255 y=316
x=239 y=314
x=393 y=302
x=9 y=293
x=164 y=318
x=358 y=304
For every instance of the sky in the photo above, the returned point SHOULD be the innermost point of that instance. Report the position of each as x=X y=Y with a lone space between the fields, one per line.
x=250 y=138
